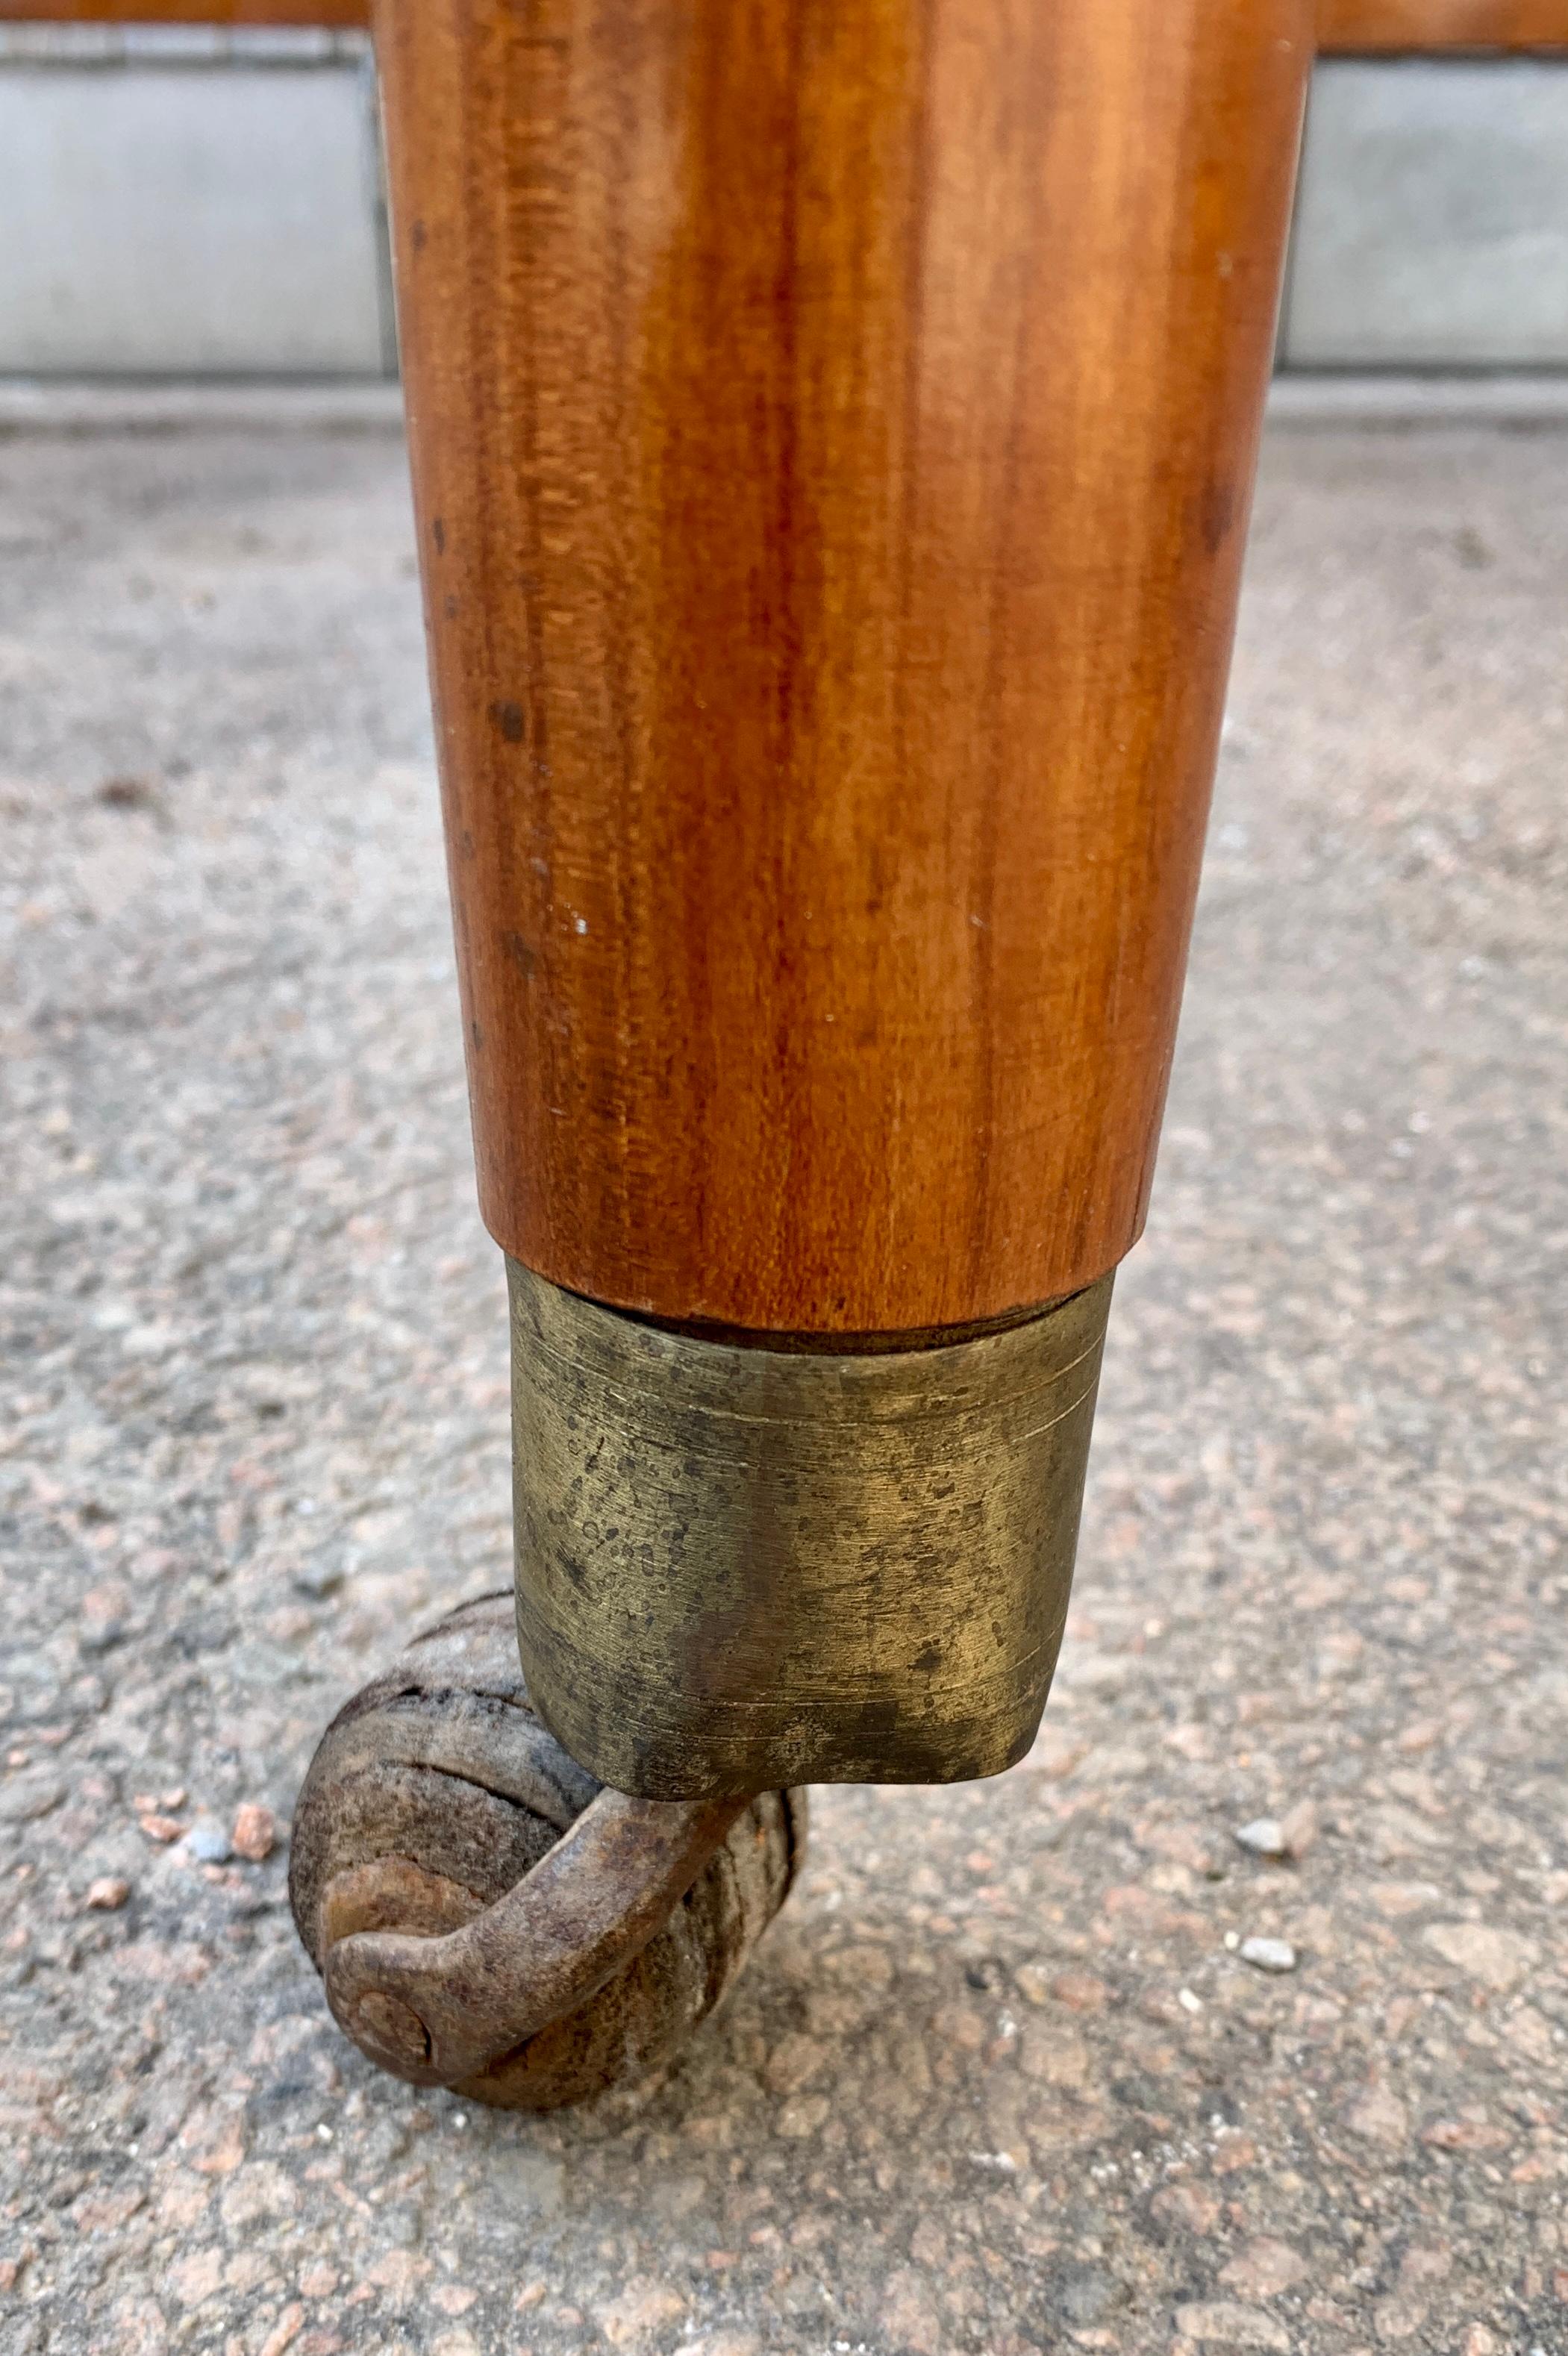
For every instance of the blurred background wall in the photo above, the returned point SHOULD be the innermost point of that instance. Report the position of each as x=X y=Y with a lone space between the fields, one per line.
x=180 y=202
x=185 y=202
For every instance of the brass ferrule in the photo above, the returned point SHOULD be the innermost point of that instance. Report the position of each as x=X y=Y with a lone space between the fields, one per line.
x=740 y=1567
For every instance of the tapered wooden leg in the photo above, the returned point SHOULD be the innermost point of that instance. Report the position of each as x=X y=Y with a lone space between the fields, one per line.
x=832 y=426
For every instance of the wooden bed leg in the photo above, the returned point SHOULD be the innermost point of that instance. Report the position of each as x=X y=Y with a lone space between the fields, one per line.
x=833 y=425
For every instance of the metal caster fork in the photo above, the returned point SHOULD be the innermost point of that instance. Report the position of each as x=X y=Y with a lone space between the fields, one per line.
x=487 y=1916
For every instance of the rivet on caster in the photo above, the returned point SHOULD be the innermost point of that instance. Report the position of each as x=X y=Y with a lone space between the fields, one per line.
x=486 y=1916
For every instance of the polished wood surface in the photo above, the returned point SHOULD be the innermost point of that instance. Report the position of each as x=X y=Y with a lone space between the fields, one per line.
x=1349 y=27
x=832 y=426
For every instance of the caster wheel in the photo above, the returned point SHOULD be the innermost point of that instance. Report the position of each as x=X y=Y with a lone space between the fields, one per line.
x=549 y=1941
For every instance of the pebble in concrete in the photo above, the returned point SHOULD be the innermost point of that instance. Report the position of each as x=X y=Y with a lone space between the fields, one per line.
x=1268 y=1954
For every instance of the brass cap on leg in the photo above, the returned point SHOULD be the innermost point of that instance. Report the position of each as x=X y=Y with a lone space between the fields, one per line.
x=739 y=1566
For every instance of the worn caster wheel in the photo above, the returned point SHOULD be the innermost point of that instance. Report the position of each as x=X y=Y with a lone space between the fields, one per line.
x=486 y=1916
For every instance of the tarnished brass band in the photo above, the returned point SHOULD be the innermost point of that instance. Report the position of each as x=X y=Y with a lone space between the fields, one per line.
x=741 y=1567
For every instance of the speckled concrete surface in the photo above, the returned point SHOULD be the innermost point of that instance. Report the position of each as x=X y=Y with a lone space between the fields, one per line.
x=1000 y=2080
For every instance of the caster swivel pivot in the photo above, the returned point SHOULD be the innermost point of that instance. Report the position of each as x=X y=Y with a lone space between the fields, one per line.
x=486 y=1916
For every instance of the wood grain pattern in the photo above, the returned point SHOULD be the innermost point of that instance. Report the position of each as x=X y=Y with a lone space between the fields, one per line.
x=832 y=427
x=1349 y=27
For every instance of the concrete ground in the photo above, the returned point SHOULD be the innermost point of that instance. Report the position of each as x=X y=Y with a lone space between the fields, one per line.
x=1000 y=2080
